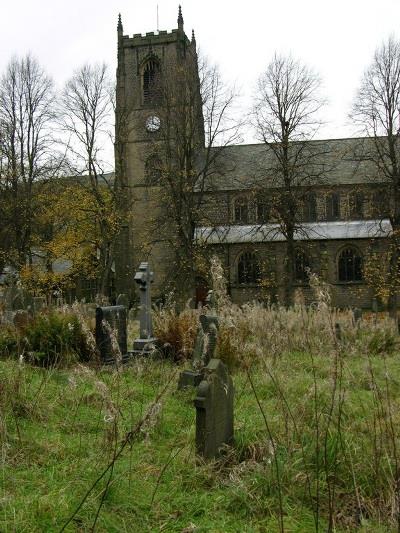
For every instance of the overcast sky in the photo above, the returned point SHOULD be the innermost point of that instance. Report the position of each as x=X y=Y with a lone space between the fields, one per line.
x=336 y=38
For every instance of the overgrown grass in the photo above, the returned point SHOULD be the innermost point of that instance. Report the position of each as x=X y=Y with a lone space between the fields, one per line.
x=317 y=412
x=59 y=428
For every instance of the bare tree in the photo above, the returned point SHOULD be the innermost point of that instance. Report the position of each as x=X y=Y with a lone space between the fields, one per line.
x=86 y=111
x=27 y=155
x=197 y=125
x=285 y=116
x=376 y=110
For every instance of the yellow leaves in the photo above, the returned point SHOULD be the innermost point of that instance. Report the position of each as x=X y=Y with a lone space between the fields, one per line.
x=73 y=221
x=39 y=281
x=381 y=274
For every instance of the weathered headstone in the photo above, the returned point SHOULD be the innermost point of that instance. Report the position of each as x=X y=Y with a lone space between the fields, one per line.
x=203 y=352
x=39 y=303
x=193 y=377
x=210 y=328
x=122 y=299
x=211 y=301
x=111 y=336
x=357 y=316
x=214 y=410
x=146 y=342
x=338 y=332
x=21 y=319
x=17 y=298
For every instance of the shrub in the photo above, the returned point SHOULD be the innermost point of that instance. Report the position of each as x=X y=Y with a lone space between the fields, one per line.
x=55 y=338
x=8 y=342
x=382 y=341
x=176 y=332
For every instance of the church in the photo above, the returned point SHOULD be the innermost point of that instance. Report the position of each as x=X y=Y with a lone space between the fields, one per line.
x=344 y=215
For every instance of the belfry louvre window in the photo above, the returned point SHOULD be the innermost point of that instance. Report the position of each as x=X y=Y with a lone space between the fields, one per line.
x=333 y=206
x=241 y=211
x=350 y=265
x=301 y=266
x=248 y=268
x=151 y=81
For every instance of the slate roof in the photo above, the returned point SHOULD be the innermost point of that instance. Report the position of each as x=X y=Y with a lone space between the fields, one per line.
x=315 y=231
x=248 y=165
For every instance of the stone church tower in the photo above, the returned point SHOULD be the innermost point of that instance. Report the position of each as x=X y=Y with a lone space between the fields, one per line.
x=143 y=61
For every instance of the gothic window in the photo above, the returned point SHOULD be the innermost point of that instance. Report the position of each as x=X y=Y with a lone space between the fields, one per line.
x=248 y=268
x=151 y=81
x=241 y=211
x=301 y=266
x=263 y=215
x=350 y=265
x=310 y=207
x=333 y=206
x=153 y=169
x=357 y=205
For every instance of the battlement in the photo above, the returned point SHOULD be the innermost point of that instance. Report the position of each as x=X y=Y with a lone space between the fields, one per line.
x=152 y=37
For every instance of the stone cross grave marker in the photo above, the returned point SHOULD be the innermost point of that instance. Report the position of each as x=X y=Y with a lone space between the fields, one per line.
x=214 y=410
x=203 y=352
x=111 y=329
x=146 y=341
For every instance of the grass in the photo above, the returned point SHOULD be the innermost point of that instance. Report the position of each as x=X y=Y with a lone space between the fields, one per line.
x=60 y=428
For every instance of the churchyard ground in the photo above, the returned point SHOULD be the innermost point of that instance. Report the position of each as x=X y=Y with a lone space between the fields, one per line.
x=89 y=448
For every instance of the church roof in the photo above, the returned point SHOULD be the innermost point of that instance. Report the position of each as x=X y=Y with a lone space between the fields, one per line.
x=336 y=162
x=314 y=231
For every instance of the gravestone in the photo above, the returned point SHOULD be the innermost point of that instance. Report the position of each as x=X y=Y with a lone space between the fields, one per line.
x=214 y=410
x=338 y=332
x=146 y=341
x=211 y=301
x=122 y=299
x=17 y=298
x=357 y=316
x=111 y=330
x=210 y=328
x=39 y=303
x=193 y=377
x=204 y=350
x=21 y=319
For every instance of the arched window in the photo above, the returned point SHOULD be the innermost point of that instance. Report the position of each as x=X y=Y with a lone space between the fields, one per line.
x=241 y=210
x=301 y=266
x=310 y=207
x=333 y=206
x=356 y=205
x=350 y=265
x=248 y=268
x=153 y=169
x=151 y=81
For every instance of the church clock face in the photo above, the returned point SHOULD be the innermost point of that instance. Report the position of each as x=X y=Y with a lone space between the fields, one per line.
x=153 y=123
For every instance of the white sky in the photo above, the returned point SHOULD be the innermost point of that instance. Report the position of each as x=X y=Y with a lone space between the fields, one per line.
x=336 y=38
